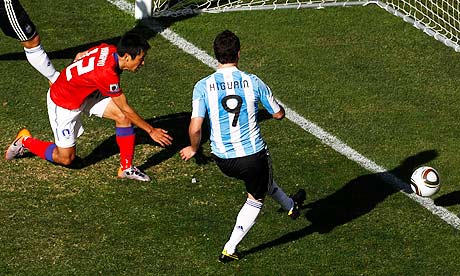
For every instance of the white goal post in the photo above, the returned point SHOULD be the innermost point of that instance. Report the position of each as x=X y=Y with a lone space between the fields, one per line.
x=143 y=9
x=437 y=18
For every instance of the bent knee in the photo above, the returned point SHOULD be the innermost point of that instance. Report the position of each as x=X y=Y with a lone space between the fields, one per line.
x=64 y=156
x=121 y=119
x=66 y=161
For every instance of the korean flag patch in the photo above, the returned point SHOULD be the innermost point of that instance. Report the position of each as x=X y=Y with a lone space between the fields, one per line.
x=114 y=88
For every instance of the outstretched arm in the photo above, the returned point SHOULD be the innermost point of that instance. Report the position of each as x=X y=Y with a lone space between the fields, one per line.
x=157 y=134
x=194 y=132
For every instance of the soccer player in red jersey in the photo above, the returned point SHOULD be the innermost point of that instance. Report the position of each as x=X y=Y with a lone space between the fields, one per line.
x=91 y=85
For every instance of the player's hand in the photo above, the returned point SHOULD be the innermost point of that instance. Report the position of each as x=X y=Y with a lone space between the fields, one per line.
x=187 y=153
x=80 y=55
x=161 y=136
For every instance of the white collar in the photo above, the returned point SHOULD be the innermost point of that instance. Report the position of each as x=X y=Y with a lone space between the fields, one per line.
x=227 y=69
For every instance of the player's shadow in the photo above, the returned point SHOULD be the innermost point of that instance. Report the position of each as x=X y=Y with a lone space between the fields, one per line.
x=148 y=28
x=176 y=125
x=355 y=199
x=448 y=199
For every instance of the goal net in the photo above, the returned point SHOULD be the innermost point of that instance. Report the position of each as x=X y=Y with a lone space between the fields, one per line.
x=437 y=18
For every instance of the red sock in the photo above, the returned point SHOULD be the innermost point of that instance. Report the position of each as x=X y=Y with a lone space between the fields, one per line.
x=42 y=149
x=126 y=139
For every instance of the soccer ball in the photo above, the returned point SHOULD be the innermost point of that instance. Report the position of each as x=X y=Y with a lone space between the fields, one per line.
x=425 y=181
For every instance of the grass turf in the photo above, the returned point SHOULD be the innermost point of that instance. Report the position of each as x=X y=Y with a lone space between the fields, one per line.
x=381 y=86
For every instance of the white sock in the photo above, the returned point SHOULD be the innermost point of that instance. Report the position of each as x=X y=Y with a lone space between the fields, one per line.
x=280 y=196
x=244 y=221
x=38 y=58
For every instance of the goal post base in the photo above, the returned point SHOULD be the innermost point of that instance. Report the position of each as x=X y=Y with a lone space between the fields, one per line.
x=142 y=9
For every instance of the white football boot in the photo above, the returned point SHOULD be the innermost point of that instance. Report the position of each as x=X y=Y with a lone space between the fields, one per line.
x=133 y=173
x=16 y=148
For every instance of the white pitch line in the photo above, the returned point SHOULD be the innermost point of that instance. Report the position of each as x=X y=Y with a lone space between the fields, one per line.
x=306 y=125
x=371 y=166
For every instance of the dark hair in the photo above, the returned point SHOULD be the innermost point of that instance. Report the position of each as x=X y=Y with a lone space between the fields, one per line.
x=133 y=44
x=226 y=47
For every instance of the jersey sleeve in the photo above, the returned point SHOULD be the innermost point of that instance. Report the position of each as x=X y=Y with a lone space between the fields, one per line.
x=109 y=84
x=198 y=100
x=266 y=97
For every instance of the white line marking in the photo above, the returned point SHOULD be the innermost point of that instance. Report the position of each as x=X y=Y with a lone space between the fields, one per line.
x=305 y=124
x=371 y=166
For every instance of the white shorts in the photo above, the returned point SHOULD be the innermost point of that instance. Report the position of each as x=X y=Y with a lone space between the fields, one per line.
x=66 y=124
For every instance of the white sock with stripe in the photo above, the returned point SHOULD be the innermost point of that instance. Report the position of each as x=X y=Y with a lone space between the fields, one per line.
x=280 y=196
x=244 y=221
x=38 y=58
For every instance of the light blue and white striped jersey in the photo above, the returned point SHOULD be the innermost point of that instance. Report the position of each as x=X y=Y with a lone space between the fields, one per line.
x=230 y=97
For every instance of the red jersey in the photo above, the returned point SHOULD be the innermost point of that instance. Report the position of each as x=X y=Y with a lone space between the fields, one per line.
x=97 y=70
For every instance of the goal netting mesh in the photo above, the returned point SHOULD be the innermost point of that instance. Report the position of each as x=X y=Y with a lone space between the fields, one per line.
x=437 y=18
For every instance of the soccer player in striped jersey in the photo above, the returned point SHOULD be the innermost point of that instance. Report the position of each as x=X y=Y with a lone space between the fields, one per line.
x=15 y=23
x=230 y=97
x=91 y=85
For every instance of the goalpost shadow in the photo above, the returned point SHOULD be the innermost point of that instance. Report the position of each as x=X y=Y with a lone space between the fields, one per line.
x=148 y=28
x=355 y=199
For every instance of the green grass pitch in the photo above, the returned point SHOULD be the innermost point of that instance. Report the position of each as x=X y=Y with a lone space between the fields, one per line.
x=368 y=78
